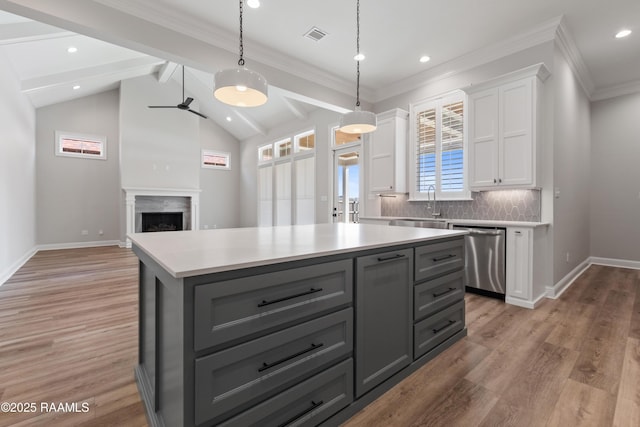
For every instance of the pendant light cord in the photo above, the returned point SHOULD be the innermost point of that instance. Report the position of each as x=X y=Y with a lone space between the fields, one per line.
x=358 y=53
x=241 y=60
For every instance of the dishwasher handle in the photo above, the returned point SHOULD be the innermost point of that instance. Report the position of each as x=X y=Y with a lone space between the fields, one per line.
x=475 y=231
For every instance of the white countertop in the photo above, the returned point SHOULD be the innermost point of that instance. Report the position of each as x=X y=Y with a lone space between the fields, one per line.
x=192 y=253
x=480 y=222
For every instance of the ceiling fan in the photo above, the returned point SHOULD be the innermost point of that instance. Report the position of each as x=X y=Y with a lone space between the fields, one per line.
x=184 y=105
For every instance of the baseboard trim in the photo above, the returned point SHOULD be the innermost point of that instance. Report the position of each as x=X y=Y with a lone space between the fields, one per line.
x=524 y=304
x=6 y=275
x=611 y=262
x=563 y=284
x=78 y=245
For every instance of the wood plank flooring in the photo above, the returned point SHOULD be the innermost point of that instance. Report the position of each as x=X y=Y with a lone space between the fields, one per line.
x=68 y=333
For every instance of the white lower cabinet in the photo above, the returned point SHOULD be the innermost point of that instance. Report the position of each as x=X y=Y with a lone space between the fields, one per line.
x=525 y=265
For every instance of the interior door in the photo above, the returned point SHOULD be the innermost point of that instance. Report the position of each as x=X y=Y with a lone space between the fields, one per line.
x=346 y=181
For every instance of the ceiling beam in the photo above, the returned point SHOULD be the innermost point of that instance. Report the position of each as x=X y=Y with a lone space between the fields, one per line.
x=251 y=123
x=21 y=32
x=166 y=71
x=295 y=108
x=128 y=68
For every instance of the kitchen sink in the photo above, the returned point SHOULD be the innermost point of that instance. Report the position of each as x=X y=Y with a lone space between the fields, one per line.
x=422 y=223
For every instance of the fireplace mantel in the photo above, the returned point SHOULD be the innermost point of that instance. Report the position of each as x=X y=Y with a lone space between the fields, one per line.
x=130 y=204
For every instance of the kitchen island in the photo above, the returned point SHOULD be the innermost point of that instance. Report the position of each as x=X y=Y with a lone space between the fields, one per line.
x=298 y=325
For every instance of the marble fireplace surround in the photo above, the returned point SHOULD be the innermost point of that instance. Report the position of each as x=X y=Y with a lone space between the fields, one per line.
x=161 y=200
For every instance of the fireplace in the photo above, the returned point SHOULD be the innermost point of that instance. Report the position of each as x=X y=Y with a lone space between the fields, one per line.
x=179 y=202
x=161 y=221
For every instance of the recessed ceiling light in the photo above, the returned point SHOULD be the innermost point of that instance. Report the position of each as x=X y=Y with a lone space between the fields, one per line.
x=359 y=57
x=228 y=118
x=76 y=87
x=72 y=49
x=623 y=33
x=254 y=4
x=424 y=59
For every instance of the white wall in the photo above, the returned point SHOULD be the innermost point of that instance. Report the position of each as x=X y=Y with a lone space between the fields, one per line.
x=75 y=194
x=540 y=53
x=17 y=173
x=615 y=178
x=322 y=121
x=160 y=148
x=220 y=196
x=571 y=170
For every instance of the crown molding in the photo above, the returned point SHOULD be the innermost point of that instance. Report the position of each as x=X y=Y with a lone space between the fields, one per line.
x=568 y=47
x=616 y=90
x=543 y=33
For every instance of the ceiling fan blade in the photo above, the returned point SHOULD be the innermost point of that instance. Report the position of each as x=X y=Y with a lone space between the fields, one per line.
x=161 y=106
x=199 y=114
x=187 y=101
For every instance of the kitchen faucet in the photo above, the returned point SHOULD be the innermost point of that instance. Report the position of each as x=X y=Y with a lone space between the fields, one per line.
x=434 y=214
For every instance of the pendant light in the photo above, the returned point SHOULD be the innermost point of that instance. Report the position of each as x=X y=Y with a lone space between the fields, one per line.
x=358 y=121
x=240 y=87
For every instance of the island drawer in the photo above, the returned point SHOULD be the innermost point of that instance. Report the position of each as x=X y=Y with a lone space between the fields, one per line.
x=436 y=294
x=306 y=404
x=439 y=258
x=436 y=329
x=235 y=377
x=244 y=307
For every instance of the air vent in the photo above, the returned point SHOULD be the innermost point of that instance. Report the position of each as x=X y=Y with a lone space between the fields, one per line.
x=315 y=34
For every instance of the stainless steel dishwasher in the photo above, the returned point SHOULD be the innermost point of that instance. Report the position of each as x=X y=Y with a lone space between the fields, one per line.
x=485 y=251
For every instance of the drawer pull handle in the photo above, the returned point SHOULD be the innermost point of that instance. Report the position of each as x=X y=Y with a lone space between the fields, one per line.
x=442 y=258
x=273 y=301
x=389 y=258
x=444 y=292
x=266 y=365
x=313 y=406
x=451 y=322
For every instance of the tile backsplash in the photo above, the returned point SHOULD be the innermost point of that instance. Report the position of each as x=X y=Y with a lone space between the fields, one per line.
x=503 y=205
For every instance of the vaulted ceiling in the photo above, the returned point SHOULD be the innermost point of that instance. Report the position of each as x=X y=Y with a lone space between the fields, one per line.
x=121 y=39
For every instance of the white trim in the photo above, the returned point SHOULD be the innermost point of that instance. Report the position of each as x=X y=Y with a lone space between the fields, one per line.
x=569 y=49
x=101 y=139
x=616 y=90
x=611 y=262
x=6 y=275
x=78 y=245
x=545 y=32
x=224 y=154
x=563 y=284
x=523 y=303
x=130 y=204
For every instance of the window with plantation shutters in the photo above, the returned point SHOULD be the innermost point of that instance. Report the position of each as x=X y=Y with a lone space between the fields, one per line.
x=438 y=144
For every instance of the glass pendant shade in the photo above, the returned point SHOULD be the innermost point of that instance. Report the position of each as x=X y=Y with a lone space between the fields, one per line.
x=240 y=87
x=358 y=121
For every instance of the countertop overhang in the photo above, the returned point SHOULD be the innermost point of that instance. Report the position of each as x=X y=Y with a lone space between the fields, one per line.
x=191 y=253
x=478 y=222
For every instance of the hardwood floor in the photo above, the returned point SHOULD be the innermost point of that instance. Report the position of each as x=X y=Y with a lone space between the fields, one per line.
x=68 y=333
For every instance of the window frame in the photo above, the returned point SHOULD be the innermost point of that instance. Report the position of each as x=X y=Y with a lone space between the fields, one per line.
x=207 y=152
x=63 y=135
x=437 y=103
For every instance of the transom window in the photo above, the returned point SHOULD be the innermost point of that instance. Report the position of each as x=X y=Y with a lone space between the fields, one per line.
x=216 y=160
x=81 y=145
x=438 y=144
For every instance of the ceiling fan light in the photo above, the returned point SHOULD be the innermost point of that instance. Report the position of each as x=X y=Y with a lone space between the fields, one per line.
x=240 y=87
x=358 y=121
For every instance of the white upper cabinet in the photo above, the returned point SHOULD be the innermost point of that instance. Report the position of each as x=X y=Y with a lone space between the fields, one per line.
x=504 y=130
x=388 y=153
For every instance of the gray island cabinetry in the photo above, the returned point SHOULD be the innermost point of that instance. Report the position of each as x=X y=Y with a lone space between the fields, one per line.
x=301 y=325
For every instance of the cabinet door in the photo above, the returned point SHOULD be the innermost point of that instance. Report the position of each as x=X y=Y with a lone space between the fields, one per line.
x=382 y=157
x=384 y=317
x=516 y=129
x=483 y=139
x=519 y=262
